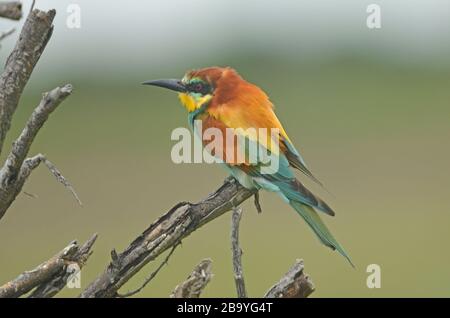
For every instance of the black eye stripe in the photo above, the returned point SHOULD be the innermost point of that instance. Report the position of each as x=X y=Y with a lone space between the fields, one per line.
x=199 y=87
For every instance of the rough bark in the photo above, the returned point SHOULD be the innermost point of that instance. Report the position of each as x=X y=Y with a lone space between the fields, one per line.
x=51 y=276
x=149 y=278
x=164 y=233
x=237 y=254
x=35 y=34
x=294 y=284
x=17 y=168
x=11 y=10
x=196 y=282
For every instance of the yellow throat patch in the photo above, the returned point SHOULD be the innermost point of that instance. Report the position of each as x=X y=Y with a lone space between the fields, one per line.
x=193 y=102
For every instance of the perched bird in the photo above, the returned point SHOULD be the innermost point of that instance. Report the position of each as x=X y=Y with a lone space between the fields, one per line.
x=220 y=98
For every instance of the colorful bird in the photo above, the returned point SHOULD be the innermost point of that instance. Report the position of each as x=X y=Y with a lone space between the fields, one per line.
x=220 y=98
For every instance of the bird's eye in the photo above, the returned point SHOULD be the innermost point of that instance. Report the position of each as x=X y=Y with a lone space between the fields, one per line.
x=198 y=87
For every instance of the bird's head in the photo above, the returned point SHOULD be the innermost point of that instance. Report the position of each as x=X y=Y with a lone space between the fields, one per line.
x=199 y=87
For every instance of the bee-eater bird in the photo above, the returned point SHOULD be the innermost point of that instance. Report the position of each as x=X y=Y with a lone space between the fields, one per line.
x=220 y=98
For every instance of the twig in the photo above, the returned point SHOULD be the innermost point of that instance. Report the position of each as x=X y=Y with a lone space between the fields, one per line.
x=237 y=253
x=30 y=279
x=49 y=272
x=50 y=101
x=294 y=284
x=16 y=169
x=6 y=33
x=31 y=163
x=149 y=278
x=31 y=195
x=33 y=38
x=11 y=10
x=163 y=234
x=196 y=282
x=32 y=6
x=55 y=285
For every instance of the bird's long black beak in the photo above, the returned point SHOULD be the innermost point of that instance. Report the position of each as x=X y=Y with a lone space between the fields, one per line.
x=173 y=84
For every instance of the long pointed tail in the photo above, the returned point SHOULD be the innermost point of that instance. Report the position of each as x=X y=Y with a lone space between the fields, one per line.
x=312 y=218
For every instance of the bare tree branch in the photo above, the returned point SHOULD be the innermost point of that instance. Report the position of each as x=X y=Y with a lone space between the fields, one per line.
x=11 y=10
x=16 y=169
x=51 y=276
x=35 y=34
x=196 y=282
x=33 y=162
x=22 y=145
x=30 y=279
x=294 y=284
x=5 y=34
x=163 y=234
x=237 y=253
x=149 y=278
x=32 y=6
x=53 y=286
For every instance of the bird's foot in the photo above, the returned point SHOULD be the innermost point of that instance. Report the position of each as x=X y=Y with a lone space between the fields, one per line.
x=257 y=203
x=230 y=179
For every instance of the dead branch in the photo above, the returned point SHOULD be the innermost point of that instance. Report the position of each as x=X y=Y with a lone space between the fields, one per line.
x=149 y=278
x=237 y=253
x=5 y=34
x=22 y=145
x=31 y=163
x=52 y=275
x=196 y=282
x=30 y=279
x=294 y=284
x=164 y=233
x=35 y=34
x=16 y=169
x=11 y=10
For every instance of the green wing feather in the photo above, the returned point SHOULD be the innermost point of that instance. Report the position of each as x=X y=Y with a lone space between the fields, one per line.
x=312 y=218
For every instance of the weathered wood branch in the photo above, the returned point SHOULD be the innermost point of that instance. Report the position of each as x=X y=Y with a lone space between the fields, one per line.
x=196 y=282
x=32 y=163
x=16 y=169
x=149 y=278
x=164 y=233
x=11 y=10
x=51 y=287
x=35 y=34
x=22 y=145
x=294 y=284
x=52 y=275
x=237 y=253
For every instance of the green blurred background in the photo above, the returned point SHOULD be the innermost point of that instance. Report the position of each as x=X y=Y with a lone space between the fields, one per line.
x=369 y=110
